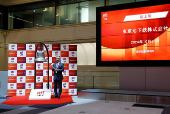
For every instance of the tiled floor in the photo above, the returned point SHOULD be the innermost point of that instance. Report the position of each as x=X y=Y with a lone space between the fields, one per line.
x=81 y=106
x=104 y=107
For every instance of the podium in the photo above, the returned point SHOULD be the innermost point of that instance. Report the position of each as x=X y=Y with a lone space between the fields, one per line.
x=40 y=94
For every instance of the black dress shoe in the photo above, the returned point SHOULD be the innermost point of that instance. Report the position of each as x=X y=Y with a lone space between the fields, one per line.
x=55 y=96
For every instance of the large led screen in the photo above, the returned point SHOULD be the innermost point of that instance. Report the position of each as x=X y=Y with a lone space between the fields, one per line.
x=134 y=36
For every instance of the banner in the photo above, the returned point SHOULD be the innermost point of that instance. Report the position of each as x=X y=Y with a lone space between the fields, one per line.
x=21 y=68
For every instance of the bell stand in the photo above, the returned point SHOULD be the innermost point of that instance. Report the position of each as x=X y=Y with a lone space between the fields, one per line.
x=35 y=64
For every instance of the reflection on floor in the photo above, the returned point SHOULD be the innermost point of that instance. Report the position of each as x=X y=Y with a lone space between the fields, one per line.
x=87 y=106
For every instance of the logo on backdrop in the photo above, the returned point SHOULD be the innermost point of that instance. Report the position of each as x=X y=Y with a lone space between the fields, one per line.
x=72 y=54
x=72 y=91
x=64 y=47
x=20 y=92
x=73 y=66
x=21 y=78
x=73 y=78
x=13 y=47
x=29 y=85
x=30 y=72
x=38 y=78
x=12 y=73
x=49 y=87
x=21 y=53
x=39 y=66
x=30 y=60
x=12 y=60
x=40 y=93
x=64 y=84
x=21 y=66
x=56 y=53
x=12 y=86
x=47 y=72
x=64 y=59
x=30 y=47
x=47 y=47
x=105 y=16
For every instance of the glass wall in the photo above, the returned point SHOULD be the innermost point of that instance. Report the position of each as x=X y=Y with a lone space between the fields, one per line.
x=88 y=10
x=44 y=17
x=68 y=14
x=22 y=19
x=1 y=20
x=32 y=18
x=64 y=14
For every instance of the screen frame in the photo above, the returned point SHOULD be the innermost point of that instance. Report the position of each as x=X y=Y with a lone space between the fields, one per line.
x=138 y=63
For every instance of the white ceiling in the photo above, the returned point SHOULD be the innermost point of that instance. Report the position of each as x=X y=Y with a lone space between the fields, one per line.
x=15 y=2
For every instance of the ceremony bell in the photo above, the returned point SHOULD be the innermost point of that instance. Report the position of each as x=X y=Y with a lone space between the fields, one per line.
x=40 y=57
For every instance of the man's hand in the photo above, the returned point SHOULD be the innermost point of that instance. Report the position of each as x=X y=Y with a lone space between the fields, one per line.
x=52 y=66
x=56 y=69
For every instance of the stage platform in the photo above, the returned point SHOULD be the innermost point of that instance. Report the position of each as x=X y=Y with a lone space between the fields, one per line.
x=126 y=96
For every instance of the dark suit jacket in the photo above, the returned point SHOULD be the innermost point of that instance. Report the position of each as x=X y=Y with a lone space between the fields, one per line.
x=58 y=75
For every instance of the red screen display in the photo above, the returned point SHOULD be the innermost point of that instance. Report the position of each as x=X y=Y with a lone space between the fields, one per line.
x=136 y=34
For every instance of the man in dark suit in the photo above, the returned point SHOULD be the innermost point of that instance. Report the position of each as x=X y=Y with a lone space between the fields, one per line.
x=58 y=68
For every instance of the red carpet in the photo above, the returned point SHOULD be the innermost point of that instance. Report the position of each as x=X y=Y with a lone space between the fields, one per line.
x=24 y=100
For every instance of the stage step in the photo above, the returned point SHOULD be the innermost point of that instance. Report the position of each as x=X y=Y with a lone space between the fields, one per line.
x=126 y=96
